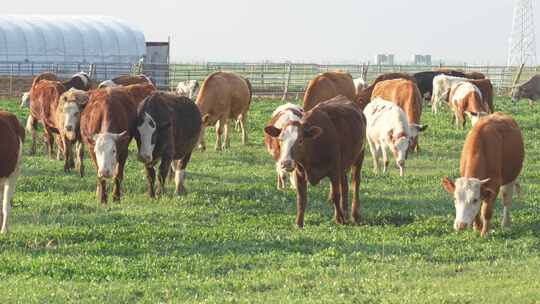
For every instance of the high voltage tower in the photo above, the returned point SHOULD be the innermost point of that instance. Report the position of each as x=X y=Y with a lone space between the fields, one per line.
x=523 y=39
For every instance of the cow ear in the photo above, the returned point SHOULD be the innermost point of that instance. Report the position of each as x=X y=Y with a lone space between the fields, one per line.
x=205 y=118
x=448 y=185
x=312 y=132
x=272 y=131
x=471 y=114
x=122 y=136
x=419 y=128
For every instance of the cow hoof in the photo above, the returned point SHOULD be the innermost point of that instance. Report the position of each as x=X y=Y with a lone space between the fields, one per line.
x=181 y=192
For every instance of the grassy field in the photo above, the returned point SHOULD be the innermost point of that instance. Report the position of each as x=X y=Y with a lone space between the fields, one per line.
x=233 y=239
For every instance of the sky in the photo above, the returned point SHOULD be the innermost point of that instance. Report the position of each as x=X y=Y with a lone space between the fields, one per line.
x=472 y=31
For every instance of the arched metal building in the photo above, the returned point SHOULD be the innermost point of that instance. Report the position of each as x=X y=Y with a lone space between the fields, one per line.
x=82 y=39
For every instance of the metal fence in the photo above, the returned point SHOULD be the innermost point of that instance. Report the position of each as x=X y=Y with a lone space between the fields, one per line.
x=268 y=79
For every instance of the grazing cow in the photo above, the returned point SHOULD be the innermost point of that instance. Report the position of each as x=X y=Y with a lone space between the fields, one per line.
x=406 y=95
x=188 y=88
x=68 y=116
x=466 y=97
x=168 y=129
x=326 y=86
x=491 y=160
x=441 y=89
x=125 y=80
x=281 y=117
x=12 y=138
x=44 y=96
x=529 y=90
x=387 y=127
x=424 y=80
x=325 y=143
x=224 y=96
x=364 y=97
x=106 y=122
x=360 y=84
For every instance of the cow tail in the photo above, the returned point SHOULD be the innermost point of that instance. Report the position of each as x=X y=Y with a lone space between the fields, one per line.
x=250 y=88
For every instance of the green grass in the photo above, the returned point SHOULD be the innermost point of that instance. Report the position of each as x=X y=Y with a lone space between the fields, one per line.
x=233 y=239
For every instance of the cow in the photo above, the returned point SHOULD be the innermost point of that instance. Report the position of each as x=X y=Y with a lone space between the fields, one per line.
x=67 y=120
x=529 y=90
x=79 y=81
x=406 y=95
x=360 y=84
x=326 y=86
x=44 y=97
x=325 y=143
x=364 y=97
x=282 y=116
x=424 y=80
x=224 y=96
x=387 y=127
x=465 y=97
x=188 y=88
x=491 y=160
x=107 y=122
x=11 y=150
x=125 y=80
x=168 y=129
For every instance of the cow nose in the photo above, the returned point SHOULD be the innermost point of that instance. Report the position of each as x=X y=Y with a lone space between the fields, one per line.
x=104 y=173
x=288 y=165
x=145 y=158
x=458 y=226
x=69 y=128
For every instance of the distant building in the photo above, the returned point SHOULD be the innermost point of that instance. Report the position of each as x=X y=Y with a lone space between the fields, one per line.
x=422 y=59
x=384 y=59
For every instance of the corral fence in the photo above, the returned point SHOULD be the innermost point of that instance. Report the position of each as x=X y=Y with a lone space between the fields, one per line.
x=277 y=80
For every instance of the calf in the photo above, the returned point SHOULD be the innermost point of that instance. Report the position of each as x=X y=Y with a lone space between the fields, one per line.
x=106 y=122
x=325 y=143
x=282 y=116
x=466 y=97
x=68 y=116
x=528 y=90
x=168 y=129
x=328 y=85
x=188 y=88
x=491 y=160
x=12 y=138
x=387 y=127
x=224 y=96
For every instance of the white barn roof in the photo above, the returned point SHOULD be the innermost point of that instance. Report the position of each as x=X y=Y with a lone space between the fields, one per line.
x=88 y=39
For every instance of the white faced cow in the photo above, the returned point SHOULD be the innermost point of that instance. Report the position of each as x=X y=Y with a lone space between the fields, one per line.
x=387 y=127
x=188 y=88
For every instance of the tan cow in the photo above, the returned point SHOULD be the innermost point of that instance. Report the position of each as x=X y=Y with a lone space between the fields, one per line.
x=364 y=96
x=406 y=95
x=224 y=96
x=326 y=86
x=465 y=97
x=491 y=160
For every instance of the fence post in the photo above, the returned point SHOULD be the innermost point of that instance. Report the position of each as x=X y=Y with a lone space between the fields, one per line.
x=11 y=80
x=287 y=81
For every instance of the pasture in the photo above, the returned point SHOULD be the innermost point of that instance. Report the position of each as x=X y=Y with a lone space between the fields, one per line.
x=232 y=238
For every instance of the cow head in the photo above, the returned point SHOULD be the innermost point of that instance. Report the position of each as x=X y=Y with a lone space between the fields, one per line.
x=148 y=128
x=401 y=142
x=72 y=103
x=25 y=100
x=468 y=195
x=106 y=152
x=292 y=138
x=517 y=93
x=475 y=116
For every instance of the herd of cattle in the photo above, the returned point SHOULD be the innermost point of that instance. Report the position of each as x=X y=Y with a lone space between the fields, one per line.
x=323 y=138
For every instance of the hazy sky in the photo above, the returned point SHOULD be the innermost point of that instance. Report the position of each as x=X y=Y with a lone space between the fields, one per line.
x=474 y=31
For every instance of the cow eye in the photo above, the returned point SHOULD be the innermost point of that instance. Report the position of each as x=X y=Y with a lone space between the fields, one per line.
x=152 y=124
x=475 y=201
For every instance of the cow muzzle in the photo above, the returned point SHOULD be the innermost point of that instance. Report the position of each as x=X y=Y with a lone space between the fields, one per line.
x=146 y=159
x=103 y=173
x=460 y=226
x=287 y=165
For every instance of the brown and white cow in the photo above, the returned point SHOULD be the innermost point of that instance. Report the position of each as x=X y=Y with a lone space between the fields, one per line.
x=326 y=143
x=168 y=129
x=281 y=117
x=106 y=123
x=224 y=96
x=388 y=128
x=465 y=97
x=11 y=139
x=326 y=86
x=125 y=80
x=491 y=160
x=365 y=96
x=407 y=96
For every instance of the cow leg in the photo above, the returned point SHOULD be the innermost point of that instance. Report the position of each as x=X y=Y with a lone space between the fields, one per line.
x=150 y=179
x=67 y=156
x=164 y=168
x=219 y=132
x=31 y=127
x=280 y=179
x=180 y=174
x=507 y=191
x=9 y=189
x=344 y=199
x=242 y=119
x=477 y=224
x=301 y=198
x=226 y=138
x=385 y=158
x=375 y=156
x=486 y=214
x=292 y=179
x=101 y=191
x=48 y=141
x=80 y=158
x=60 y=145
x=336 y=197
x=355 y=175
x=119 y=176
x=202 y=144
